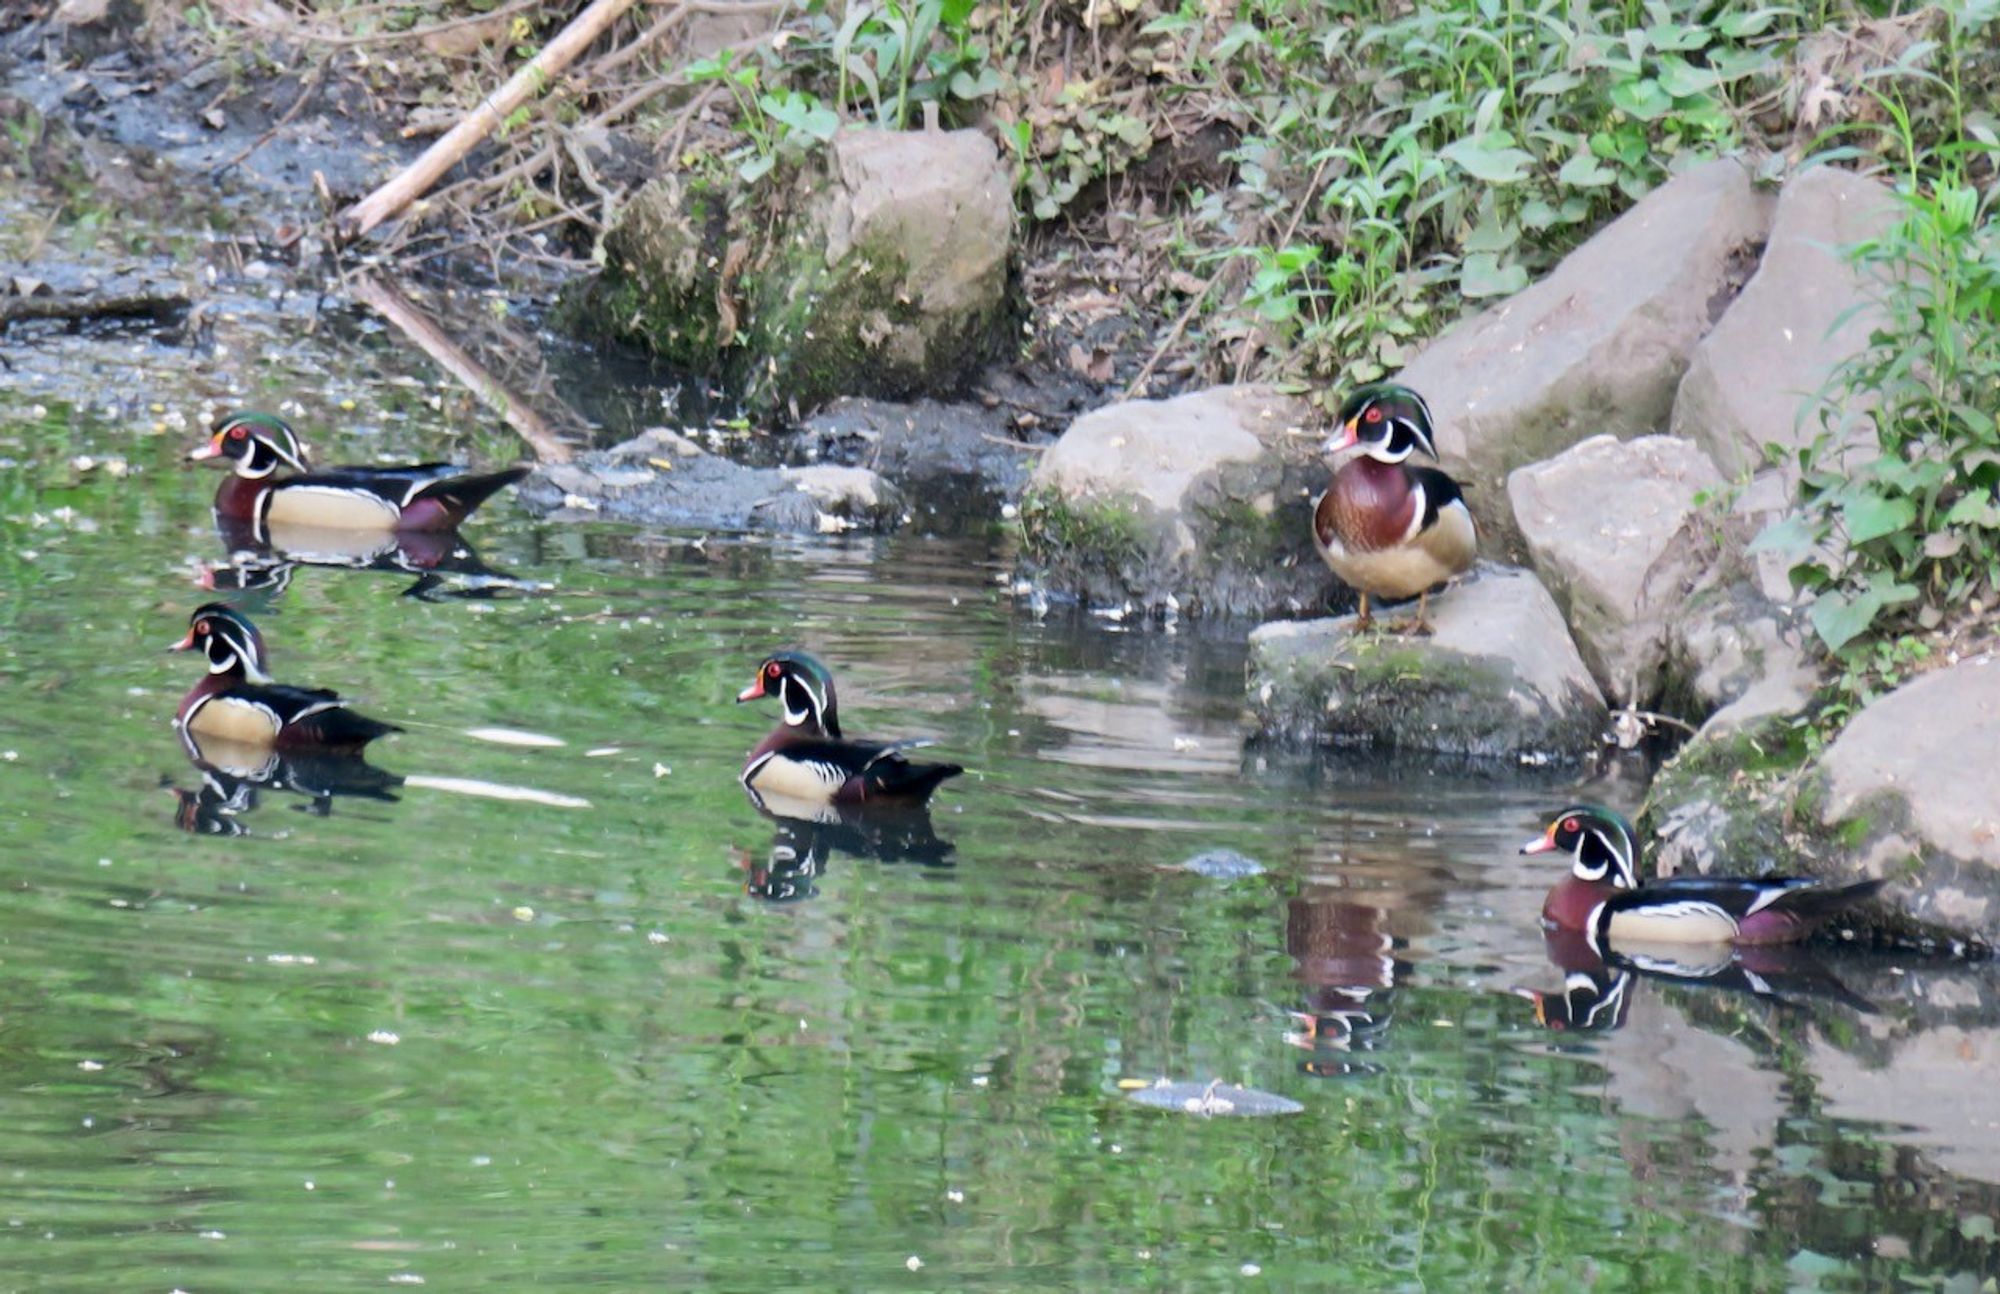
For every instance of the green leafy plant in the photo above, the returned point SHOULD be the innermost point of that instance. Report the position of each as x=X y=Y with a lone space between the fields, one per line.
x=1898 y=529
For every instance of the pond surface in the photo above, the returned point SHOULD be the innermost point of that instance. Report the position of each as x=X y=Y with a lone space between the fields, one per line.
x=578 y=1015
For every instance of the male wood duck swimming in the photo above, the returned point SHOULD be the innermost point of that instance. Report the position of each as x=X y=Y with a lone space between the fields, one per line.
x=1602 y=898
x=419 y=496
x=806 y=762
x=1387 y=528
x=237 y=701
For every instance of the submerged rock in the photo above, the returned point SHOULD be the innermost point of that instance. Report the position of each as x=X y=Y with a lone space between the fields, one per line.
x=1500 y=678
x=1222 y=865
x=881 y=272
x=1606 y=524
x=1214 y=1100
x=1599 y=345
x=1200 y=502
x=661 y=478
x=1759 y=370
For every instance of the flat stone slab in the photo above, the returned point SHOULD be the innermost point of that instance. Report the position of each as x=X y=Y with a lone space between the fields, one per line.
x=1501 y=678
x=662 y=478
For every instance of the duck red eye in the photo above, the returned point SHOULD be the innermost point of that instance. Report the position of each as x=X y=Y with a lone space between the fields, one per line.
x=1374 y=414
x=1571 y=824
x=201 y=626
x=772 y=671
x=236 y=433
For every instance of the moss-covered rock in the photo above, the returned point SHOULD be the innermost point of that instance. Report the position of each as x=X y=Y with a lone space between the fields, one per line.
x=1201 y=503
x=880 y=269
x=1500 y=678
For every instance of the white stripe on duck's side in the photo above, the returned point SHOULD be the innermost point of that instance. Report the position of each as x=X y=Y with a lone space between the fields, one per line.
x=1681 y=921
x=329 y=505
x=811 y=780
x=234 y=719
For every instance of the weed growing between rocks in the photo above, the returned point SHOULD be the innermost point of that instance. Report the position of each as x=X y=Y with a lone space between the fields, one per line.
x=1898 y=536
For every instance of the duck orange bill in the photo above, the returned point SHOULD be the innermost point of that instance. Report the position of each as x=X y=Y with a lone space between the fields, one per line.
x=213 y=449
x=755 y=690
x=1541 y=844
x=1350 y=434
x=185 y=643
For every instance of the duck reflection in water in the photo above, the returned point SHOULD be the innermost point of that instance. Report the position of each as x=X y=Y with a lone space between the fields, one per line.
x=263 y=557
x=805 y=838
x=233 y=773
x=1346 y=958
x=1598 y=991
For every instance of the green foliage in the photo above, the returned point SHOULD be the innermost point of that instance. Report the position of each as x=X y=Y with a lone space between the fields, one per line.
x=1456 y=150
x=1900 y=533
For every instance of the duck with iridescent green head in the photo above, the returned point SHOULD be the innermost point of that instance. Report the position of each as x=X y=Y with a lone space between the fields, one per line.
x=1388 y=528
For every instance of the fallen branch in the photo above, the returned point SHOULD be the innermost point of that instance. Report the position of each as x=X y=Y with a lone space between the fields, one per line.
x=418 y=327
x=416 y=179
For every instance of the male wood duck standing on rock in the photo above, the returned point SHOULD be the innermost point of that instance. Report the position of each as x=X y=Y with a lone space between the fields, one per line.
x=806 y=763
x=420 y=496
x=237 y=701
x=1387 y=528
x=1602 y=898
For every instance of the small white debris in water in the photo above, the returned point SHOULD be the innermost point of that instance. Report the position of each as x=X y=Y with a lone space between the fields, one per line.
x=311 y=1185
x=1008 y=512
x=406 y=1278
x=914 y=1263
x=524 y=913
x=104 y=862
x=135 y=691
x=1443 y=1024
x=384 y=1037
x=90 y=1066
x=89 y=1122
x=802 y=1025
x=600 y=752
x=10 y=755
x=955 y=1195
x=213 y=1235
x=656 y=937
x=980 y=1080
x=1250 y=1269
x=661 y=770
x=481 y=1161
x=291 y=959
x=514 y=737
x=1117 y=1149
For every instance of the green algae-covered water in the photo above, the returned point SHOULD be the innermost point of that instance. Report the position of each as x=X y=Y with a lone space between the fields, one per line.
x=540 y=1000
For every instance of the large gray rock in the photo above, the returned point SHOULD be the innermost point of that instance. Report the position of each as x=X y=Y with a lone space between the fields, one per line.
x=882 y=271
x=1201 y=502
x=1599 y=345
x=1606 y=524
x=1753 y=379
x=1499 y=679
x=1911 y=790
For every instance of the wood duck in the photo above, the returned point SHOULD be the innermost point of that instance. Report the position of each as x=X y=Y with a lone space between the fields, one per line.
x=806 y=762
x=237 y=701
x=419 y=496
x=1387 y=528
x=1602 y=898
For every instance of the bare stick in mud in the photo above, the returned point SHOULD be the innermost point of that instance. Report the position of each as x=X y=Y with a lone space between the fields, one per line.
x=419 y=328
x=415 y=180
x=160 y=302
